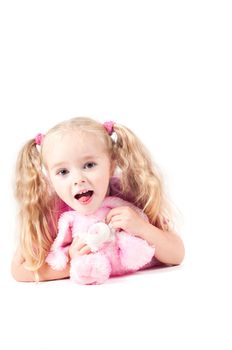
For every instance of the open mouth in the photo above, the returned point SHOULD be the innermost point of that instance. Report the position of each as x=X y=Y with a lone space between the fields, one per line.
x=84 y=196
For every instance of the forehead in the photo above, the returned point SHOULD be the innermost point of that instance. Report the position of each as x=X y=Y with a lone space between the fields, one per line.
x=59 y=146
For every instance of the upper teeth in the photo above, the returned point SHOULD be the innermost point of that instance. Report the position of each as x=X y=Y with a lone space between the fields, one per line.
x=83 y=191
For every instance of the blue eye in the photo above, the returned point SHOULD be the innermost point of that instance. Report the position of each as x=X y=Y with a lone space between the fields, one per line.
x=62 y=172
x=89 y=165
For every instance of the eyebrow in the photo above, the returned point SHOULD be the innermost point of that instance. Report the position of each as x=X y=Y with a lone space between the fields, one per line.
x=81 y=160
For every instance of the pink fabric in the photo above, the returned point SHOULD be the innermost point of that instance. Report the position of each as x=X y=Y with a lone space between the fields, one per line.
x=113 y=252
x=114 y=191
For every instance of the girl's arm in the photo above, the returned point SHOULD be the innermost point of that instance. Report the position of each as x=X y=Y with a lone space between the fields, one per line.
x=169 y=248
x=46 y=273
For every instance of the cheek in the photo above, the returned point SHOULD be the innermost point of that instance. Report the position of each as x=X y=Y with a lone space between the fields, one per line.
x=101 y=181
x=58 y=186
x=61 y=192
x=51 y=180
x=55 y=184
x=105 y=174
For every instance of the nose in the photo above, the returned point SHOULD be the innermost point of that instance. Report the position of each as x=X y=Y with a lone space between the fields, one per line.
x=79 y=178
x=79 y=182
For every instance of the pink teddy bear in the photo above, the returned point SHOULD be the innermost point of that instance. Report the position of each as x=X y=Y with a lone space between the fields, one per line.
x=113 y=252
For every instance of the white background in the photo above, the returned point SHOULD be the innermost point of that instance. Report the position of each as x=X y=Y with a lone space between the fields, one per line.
x=163 y=68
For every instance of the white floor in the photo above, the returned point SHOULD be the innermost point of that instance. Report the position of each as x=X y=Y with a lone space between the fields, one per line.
x=185 y=307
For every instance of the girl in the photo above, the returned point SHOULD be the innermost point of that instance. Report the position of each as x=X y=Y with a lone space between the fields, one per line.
x=74 y=166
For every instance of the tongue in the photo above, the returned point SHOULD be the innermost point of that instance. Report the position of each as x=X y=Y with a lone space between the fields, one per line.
x=84 y=198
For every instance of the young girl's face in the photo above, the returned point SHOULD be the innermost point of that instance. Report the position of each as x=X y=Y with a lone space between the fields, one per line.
x=79 y=169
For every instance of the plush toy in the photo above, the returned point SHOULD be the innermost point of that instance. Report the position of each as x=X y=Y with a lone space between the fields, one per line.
x=113 y=252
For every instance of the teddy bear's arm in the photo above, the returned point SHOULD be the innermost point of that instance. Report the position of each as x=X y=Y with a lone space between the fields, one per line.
x=64 y=235
x=58 y=256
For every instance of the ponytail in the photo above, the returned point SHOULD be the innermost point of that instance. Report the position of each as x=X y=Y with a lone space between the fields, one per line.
x=140 y=180
x=35 y=203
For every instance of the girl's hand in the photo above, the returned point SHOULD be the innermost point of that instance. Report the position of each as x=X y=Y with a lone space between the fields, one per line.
x=126 y=219
x=77 y=248
x=18 y=258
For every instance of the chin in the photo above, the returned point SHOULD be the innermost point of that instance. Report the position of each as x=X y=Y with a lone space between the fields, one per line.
x=86 y=210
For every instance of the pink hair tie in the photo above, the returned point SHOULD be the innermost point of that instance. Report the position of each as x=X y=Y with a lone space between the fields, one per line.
x=109 y=126
x=39 y=139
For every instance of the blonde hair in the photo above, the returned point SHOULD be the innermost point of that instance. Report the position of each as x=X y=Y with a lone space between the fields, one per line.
x=139 y=180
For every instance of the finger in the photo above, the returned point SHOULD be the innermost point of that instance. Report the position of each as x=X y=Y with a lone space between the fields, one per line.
x=113 y=212
x=116 y=223
x=114 y=217
x=77 y=243
x=75 y=240
x=80 y=244
x=84 y=250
